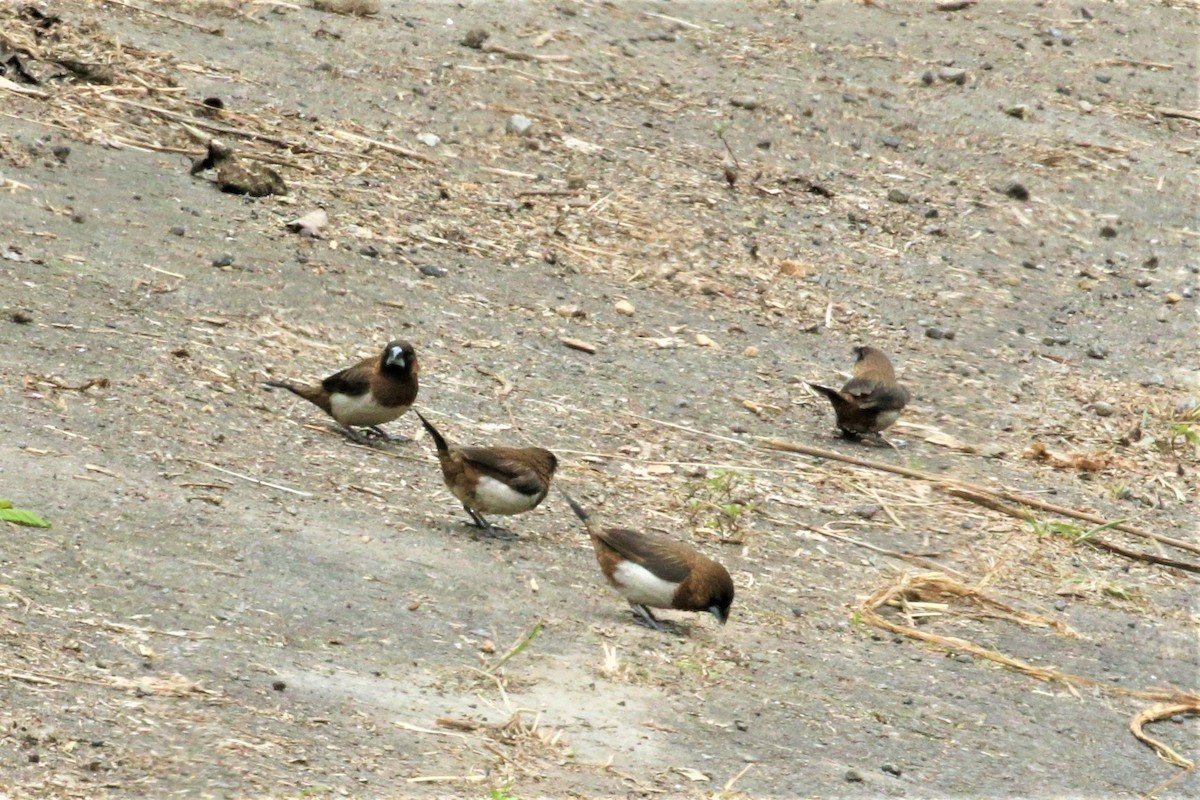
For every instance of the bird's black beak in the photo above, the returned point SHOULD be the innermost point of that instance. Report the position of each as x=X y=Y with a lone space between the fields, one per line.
x=722 y=615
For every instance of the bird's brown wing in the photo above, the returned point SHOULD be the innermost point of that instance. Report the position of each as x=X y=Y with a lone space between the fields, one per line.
x=526 y=470
x=353 y=381
x=869 y=394
x=665 y=558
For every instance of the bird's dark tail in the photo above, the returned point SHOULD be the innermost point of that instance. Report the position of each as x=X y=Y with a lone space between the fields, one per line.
x=828 y=391
x=578 y=509
x=438 y=441
x=295 y=388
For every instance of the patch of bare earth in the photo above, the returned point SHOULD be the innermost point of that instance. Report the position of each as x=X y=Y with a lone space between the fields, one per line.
x=704 y=204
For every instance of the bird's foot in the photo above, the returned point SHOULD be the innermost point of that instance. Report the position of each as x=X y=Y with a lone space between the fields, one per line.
x=389 y=437
x=488 y=530
x=644 y=616
x=355 y=436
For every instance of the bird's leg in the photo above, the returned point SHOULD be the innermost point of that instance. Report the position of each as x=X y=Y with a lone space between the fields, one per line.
x=850 y=436
x=888 y=442
x=488 y=529
x=477 y=518
x=354 y=435
x=645 y=616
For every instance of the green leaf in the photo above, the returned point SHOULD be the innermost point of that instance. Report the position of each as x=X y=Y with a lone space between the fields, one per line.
x=20 y=517
x=5 y=503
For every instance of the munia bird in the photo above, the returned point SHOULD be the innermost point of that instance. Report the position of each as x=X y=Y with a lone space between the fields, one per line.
x=374 y=391
x=494 y=480
x=871 y=401
x=653 y=571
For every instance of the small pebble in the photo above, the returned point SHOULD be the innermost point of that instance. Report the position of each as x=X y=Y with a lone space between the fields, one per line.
x=61 y=151
x=954 y=75
x=1103 y=409
x=1143 y=283
x=866 y=512
x=890 y=141
x=1108 y=232
x=927 y=77
x=741 y=726
x=938 y=333
x=1057 y=339
x=475 y=38
x=1085 y=13
x=897 y=196
x=1016 y=191
x=746 y=101
x=1097 y=352
x=1060 y=605
x=21 y=317
x=178 y=230
x=279 y=686
x=433 y=271
x=1173 y=297
x=78 y=217
x=891 y=769
x=992 y=450
x=1186 y=406
x=853 y=776
x=519 y=125
x=429 y=139
x=223 y=260
x=1103 y=77
x=1020 y=111
x=624 y=308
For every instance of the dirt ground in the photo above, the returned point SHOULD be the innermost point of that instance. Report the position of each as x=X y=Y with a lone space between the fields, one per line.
x=235 y=601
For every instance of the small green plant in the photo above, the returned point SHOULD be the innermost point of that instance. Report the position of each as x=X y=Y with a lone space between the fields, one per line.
x=1184 y=430
x=502 y=794
x=1069 y=529
x=19 y=516
x=722 y=504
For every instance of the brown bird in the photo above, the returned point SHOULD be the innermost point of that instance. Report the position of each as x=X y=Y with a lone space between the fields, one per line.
x=871 y=401
x=652 y=571
x=372 y=392
x=494 y=480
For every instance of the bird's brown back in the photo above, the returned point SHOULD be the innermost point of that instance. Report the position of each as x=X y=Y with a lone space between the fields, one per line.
x=526 y=469
x=666 y=558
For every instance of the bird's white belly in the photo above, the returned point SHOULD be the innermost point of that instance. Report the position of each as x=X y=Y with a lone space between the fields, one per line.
x=885 y=420
x=639 y=585
x=496 y=497
x=362 y=410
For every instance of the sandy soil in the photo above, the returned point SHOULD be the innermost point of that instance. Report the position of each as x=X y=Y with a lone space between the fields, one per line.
x=235 y=601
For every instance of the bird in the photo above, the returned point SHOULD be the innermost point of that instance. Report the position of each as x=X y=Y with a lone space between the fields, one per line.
x=374 y=391
x=653 y=571
x=871 y=401
x=494 y=480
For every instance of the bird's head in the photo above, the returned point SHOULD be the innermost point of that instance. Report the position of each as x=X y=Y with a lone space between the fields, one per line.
x=399 y=355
